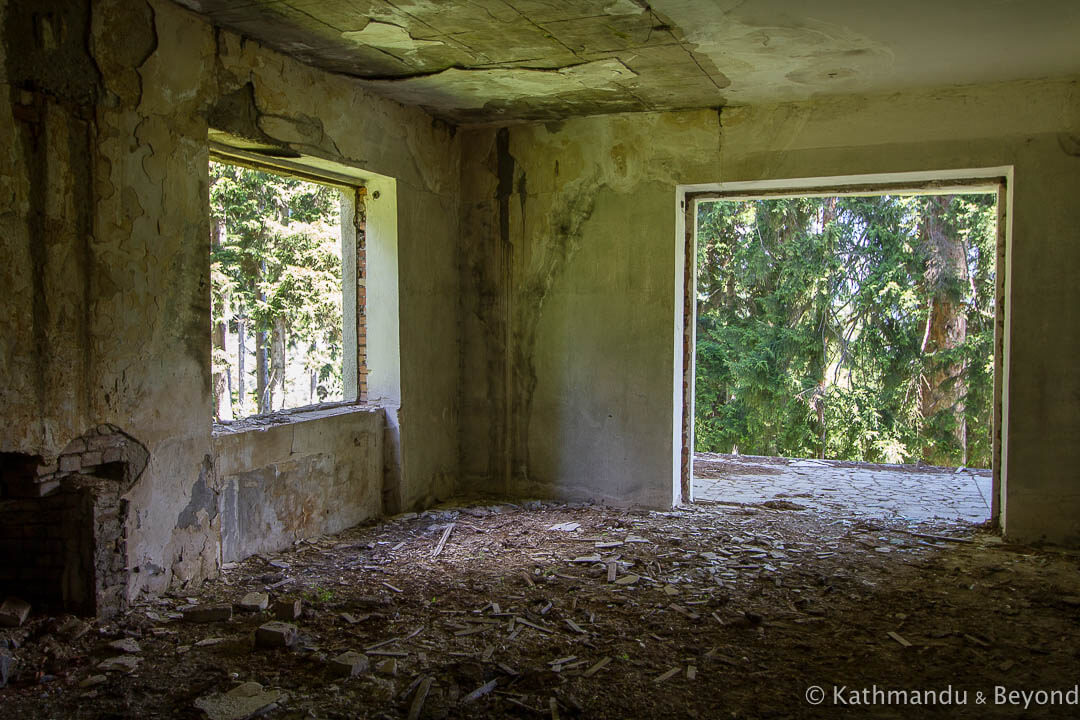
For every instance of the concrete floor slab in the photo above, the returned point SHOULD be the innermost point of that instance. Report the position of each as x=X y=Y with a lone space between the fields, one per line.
x=865 y=490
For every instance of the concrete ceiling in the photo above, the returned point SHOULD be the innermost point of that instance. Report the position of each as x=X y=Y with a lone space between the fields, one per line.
x=494 y=61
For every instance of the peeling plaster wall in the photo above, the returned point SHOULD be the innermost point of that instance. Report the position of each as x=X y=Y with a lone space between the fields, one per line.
x=320 y=473
x=568 y=233
x=104 y=109
x=569 y=355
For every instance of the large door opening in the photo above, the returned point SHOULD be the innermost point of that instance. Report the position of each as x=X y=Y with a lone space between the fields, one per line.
x=843 y=347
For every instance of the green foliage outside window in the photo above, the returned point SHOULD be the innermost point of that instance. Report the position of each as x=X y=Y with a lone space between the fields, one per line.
x=275 y=291
x=855 y=328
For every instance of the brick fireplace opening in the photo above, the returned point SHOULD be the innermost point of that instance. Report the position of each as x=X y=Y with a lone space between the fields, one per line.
x=63 y=524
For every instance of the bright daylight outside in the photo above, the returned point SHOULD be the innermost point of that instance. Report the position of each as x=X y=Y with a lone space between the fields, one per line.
x=276 y=292
x=850 y=330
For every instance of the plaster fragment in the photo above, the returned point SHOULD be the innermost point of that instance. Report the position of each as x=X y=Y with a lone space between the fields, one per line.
x=388 y=37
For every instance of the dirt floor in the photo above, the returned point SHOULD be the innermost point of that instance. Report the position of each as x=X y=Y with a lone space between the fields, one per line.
x=716 y=611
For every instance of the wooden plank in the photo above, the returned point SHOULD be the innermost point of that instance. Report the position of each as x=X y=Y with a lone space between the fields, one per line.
x=899 y=638
x=534 y=626
x=442 y=541
x=670 y=673
x=597 y=667
x=384 y=643
x=575 y=627
x=418 y=700
x=480 y=691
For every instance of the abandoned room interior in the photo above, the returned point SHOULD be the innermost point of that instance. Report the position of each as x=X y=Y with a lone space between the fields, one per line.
x=476 y=490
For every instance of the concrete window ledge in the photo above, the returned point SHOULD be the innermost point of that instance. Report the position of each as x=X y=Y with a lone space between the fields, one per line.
x=297 y=474
x=292 y=415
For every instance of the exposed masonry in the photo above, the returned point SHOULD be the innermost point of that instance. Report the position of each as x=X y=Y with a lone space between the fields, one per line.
x=64 y=523
x=360 y=223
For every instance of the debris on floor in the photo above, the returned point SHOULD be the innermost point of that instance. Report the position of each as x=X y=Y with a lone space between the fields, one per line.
x=569 y=611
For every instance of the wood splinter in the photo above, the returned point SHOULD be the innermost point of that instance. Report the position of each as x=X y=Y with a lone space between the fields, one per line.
x=418 y=700
x=442 y=541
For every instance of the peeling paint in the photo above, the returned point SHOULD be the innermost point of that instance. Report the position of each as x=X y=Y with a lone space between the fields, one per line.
x=389 y=37
x=107 y=106
x=457 y=89
x=203 y=499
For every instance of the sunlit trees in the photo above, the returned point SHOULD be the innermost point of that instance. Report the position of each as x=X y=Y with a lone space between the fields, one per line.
x=858 y=328
x=276 y=276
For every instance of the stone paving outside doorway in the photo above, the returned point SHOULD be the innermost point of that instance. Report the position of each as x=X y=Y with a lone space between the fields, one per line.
x=836 y=487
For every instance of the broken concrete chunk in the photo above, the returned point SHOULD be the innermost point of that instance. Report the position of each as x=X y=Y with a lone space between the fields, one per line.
x=565 y=527
x=349 y=664
x=254 y=602
x=287 y=609
x=241 y=702
x=208 y=613
x=276 y=634
x=73 y=629
x=628 y=579
x=387 y=667
x=13 y=612
x=120 y=663
x=93 y=681
x=125 y=645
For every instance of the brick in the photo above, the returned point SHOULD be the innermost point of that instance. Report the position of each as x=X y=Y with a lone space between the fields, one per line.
x=254 y=602
x=47 y=486
x=76 y=446
x=208 y=613
x=70 y=463
x=287 y=609
x=91 y=458
x=276 y=634
x=349 y=664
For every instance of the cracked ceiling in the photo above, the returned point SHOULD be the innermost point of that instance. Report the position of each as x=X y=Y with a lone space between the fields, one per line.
x=498 y=61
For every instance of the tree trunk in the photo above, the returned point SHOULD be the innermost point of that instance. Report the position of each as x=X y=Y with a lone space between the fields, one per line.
x=222 y=397
x=942 y=387
x=262 y=384
x=277 y=362
x=220 y=362
x=241 y=362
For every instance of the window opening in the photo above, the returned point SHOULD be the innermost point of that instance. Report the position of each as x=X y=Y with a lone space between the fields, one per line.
x=277 y=300
x=854 y=328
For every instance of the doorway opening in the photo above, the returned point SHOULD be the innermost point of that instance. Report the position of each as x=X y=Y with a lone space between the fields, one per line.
x=843 y=348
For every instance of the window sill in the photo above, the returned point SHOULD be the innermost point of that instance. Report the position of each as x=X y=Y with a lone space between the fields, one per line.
x=291 y=416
